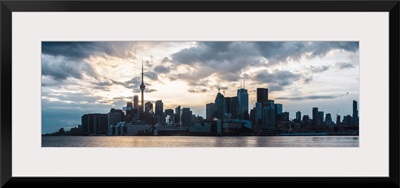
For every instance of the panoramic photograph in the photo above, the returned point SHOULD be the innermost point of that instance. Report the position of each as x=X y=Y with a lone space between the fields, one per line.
x=200 y=93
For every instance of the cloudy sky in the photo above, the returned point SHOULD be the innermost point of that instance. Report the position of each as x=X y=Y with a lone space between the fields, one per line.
x=92 y=77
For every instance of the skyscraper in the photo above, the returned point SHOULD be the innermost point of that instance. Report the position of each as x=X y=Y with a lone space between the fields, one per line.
x=220 y=106
x=338 y=120
x=142 y=88
x=268 y=117
x=315 y=116
x=298 y=115
x=136 y=102
x=159 y=111
x=148 y=106
x=159 y=108
x=243 y=98
x=258 y=113
x=169 y=116
x=320 y=117
x=178 y=115
x=210 y=110
x=262 y=96
x=234 y=107
x=355 y=113
x=328 y=120
x=278 y=109
x=228 y=104
x=186 y=117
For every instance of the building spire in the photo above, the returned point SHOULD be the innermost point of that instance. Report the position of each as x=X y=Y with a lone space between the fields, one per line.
x=142 y=70
x=142 y=87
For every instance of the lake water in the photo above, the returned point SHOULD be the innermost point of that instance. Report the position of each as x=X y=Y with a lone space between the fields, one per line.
x=200 y=141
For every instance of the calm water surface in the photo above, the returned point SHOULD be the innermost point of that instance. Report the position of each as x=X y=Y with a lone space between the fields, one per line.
x=200 y=141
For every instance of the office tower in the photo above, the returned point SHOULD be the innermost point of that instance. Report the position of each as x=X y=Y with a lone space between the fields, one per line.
x=328 y=120
x=148 y=106
x=258 y=113
x=129 y=107
x=278 y=109
x=210 y=110
x=285 y=116
x=85 y=124
x=234 y=107
x=114 y=117
x=355 y=113
x=142 y=88
x=96 y=124
x=136 y=102
x=320 y=117
x=159 y=111
x=348 y=120
x=169 y=116
x=243 y=98
x=159 y=108
x=268 y=117
x=262 y=96
x=315 y=116
x=186 y=117
x=178 y=115
x=338 y=120
x=228 y=104
x=305 y=121
x=220 y=105
x=298 y=116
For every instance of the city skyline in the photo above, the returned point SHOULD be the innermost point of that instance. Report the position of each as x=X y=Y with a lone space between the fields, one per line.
x=89 y=77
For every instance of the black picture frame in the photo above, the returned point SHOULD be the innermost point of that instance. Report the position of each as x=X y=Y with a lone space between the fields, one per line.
x=7 y=7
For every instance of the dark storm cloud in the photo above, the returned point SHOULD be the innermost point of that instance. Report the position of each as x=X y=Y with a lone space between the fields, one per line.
x=147 y=90
x=81 y=50
x=341 y=66
x=151 y=75
x=281 y=78
x=231 y=58
x=122 y=98
x=161 y=69
x=61 y=69
x=277 y=52
x=166 y=60
x=308 y=79
x=319 y=69
x=312 y=97
x=273 y=51
x=132 y=83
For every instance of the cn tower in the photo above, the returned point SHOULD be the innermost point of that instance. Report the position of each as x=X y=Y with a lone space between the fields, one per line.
x=142 y=87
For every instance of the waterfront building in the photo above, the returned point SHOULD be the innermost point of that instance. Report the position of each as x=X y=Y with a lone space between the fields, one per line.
x=210 y=110
x=278 y=109
x=95 y=124
x=328 y=120
x=315 y=116
x=136 y=102
x=355 y=113
x=114 y=117
x=243 y=98
x=262 y=96
x=234 y=107
x=298 y=116
x=178 y=115
x=258 y=113
x=320 y=117
x=142 y=88
x=186 y=117
x=220 y=105
x=169 y=116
